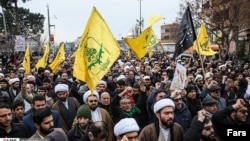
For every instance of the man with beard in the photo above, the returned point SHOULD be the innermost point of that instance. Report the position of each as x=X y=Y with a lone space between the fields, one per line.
x=236 y=116
x=165 y=129
x=83 y=117
x=66 y=106
x=182 y=115
x=39 y=102
x=10 y=129
x=201 y=129
x=97 y=113
x=199 y=83
x=126 y=130
x=44 y=123
x=14 y=88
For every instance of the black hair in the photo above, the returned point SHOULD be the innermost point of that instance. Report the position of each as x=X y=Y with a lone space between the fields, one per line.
x=32 y=83
x=121 y=82
x=40 y=70
x=136 y=85
x=46 y=80
x=38 y=98
x=205 y=121
x=99 y=129
x=4 y=105
x=17 y=103
x=41 y=88
x=157 y=91
x=40 y=114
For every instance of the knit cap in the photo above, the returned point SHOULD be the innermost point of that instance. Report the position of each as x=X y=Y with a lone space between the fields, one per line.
x=84 y=111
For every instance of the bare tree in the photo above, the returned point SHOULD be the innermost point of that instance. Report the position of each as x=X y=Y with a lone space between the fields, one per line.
x=228 y=17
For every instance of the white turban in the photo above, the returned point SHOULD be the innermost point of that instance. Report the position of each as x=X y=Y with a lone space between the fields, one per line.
x=88 y=93
x=13 y=80
x=208 y=74
x=31 y=77
x=126 y=67
x=1 y=74
x=21 y=68
x=126 y=125
x=102 y=83
x=120 y=77
x=221 y=66
x=165 y=102
x=197 y=77
x=47 y=71
x=61 y=88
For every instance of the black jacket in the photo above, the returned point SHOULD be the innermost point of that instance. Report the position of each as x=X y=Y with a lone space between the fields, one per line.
x=194 y=133
x=18 y=130
x=75 y=134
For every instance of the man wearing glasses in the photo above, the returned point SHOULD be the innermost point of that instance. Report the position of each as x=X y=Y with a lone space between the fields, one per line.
x=215 y=92
x=182 y=115
x=98 y=114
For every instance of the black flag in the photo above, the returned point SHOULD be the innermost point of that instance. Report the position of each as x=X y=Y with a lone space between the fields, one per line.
x=186 y=34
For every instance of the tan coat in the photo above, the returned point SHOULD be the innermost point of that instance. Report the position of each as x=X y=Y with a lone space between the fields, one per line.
x=35 y=136
x=107 y=118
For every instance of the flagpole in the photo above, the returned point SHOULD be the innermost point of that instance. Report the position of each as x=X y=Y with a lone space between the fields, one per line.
x=201 y=61
x=162 y=47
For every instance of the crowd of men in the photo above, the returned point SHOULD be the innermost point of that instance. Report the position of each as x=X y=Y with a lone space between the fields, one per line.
x=133 y=101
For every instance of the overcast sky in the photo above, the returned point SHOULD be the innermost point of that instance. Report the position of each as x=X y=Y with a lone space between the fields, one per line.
x=71 y=16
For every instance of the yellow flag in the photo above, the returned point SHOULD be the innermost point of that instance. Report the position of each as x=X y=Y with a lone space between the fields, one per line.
x=129 y=54
x=201 y=45
x=154 y=18
x=73 y=55
x=97 y=51
x=26 y=60
x=43 y=61
x=60 y=57
x=152 y=43
x=150 y=53
x=141 y=43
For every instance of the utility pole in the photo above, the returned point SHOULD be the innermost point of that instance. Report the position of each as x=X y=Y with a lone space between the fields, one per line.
x=49 y=25
x=140 y=21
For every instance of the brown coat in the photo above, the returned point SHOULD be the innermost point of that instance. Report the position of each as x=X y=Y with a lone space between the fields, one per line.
x=107 y=118
x=149 y=133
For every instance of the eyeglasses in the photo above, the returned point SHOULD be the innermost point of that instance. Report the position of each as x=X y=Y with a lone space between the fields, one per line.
x=91 y=101
x=178 y=99
x=207 y=128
